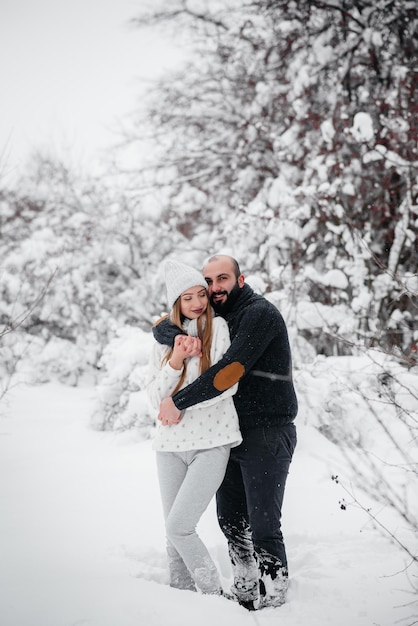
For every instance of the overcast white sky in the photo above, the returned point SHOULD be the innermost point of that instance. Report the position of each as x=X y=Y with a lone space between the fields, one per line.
x=69 y=69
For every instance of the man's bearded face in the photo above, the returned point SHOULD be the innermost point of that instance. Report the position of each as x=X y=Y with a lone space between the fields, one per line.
x=222 y=301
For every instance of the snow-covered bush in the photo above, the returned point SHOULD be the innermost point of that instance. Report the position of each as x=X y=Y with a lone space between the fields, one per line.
x=121 y=398
x=78 y=260
x=355 y=401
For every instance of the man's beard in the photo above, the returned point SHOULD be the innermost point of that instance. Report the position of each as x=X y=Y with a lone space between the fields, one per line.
x=225 y=307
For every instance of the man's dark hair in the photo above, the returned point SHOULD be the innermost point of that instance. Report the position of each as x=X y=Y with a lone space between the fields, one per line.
x=235 y=265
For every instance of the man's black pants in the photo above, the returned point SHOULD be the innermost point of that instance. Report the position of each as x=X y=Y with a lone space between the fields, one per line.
x=249 y=505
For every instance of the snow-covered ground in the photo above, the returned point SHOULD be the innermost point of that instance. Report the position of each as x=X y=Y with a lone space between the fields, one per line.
x=82 y=538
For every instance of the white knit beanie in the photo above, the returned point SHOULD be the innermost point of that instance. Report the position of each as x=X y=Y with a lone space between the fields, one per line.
x=178 y=278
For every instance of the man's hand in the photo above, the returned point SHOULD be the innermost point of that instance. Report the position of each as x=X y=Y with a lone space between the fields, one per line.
x=188 y=345
x=184 y=347
x=169 y=414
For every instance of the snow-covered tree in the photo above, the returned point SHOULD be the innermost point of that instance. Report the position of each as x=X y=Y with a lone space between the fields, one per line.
x=91 y=251
x=291 y=138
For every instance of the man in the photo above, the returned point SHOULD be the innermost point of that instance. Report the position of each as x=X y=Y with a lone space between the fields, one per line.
x=249 y=501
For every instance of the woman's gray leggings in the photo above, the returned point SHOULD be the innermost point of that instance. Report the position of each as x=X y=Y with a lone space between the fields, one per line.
x=188 y=481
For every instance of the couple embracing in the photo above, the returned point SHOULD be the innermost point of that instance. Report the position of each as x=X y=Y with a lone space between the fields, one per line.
x=222 y=386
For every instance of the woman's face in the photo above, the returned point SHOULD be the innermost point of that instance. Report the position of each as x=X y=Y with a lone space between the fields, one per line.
x=193 y=302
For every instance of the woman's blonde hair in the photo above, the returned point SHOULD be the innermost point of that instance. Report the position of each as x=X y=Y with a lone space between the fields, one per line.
x=204 y=331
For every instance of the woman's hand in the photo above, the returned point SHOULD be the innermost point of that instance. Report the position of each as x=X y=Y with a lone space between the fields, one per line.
x=192 y=345
x=184 y=347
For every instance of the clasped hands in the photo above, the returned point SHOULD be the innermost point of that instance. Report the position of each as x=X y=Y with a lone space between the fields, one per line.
x=184 y=346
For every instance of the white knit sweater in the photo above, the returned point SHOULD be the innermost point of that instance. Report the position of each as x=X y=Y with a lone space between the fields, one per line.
x=206 y=425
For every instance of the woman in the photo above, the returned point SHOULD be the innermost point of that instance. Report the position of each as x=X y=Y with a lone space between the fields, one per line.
x=191 y=455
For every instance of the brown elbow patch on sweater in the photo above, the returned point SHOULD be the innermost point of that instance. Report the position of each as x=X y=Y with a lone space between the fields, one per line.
x=228 y=376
